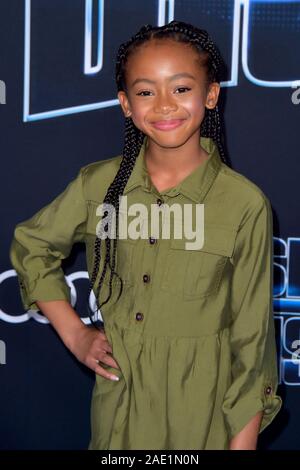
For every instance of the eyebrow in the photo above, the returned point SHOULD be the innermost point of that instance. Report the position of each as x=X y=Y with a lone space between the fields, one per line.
x=174 y=77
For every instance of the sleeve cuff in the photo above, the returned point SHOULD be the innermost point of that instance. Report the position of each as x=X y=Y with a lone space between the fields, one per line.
x=237 y=417
x=44 y=291
x=272 y=405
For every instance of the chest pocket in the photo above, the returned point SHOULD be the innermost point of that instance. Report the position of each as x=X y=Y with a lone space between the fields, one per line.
x=125 y=252
x=193 y=274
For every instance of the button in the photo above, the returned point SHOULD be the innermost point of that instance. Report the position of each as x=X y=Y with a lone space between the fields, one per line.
x=152 y=240
x=139 y=316
x=268 y=390
x=174 y=191
x=159 y=201
x=146 y=278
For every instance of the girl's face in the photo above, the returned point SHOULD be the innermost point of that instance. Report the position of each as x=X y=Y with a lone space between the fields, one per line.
x=167 y=92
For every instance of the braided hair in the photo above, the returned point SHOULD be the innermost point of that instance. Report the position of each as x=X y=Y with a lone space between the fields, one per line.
x=201 y=42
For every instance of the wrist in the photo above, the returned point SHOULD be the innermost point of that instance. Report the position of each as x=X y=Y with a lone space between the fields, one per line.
x=74 y=337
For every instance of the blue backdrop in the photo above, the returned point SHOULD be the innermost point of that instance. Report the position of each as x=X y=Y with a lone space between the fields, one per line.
x=59 y=111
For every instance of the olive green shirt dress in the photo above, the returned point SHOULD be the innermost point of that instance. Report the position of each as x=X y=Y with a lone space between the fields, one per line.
x=193 y=331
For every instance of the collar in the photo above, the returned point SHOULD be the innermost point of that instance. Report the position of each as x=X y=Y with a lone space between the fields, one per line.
x=194 y=186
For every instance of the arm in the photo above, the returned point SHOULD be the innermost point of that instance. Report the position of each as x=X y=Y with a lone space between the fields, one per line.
x=252 y=334
x=43 y=241
x=246 y=439
x=38 y=247
x=87 y=344
x=64 y=320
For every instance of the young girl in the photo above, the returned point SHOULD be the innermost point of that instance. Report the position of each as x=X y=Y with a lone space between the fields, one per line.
x=186 y=358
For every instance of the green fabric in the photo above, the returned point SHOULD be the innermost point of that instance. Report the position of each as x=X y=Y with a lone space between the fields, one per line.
x=202 y=360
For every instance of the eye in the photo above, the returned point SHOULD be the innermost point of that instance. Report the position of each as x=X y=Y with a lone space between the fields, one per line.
x=144 y=91
x=183 y=88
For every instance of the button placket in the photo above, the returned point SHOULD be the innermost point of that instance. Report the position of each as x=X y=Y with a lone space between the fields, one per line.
x=139 y=317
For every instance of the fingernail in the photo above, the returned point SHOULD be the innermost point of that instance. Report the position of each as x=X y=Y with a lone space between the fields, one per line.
x=114 y=377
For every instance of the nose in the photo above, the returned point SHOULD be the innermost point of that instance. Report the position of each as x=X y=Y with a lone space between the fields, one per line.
x=165 y=104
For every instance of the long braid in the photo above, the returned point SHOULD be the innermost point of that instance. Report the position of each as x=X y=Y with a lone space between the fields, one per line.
x=210 y=127
x=133 y=142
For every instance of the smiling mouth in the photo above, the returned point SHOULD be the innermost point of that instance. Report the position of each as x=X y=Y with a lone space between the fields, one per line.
x=167 y=124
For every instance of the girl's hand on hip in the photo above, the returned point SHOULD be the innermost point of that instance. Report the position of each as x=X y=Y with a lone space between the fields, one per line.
x=92 y=347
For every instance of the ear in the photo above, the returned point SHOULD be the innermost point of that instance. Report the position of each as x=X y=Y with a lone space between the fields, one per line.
x=212 y=95
x=122 y=97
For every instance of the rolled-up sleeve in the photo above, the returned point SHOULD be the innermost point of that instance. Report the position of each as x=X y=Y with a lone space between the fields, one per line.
x=41 y=242
x=252 y=334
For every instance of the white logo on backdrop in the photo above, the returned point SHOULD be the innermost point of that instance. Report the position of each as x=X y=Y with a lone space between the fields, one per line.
x=13 y=317
x=241 y=29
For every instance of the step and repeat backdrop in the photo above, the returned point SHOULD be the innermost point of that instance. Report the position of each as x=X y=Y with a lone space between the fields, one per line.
x=59 y=111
